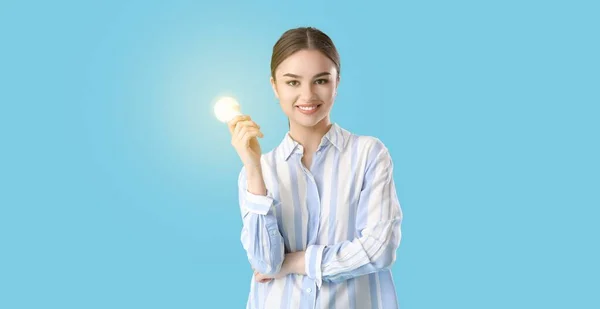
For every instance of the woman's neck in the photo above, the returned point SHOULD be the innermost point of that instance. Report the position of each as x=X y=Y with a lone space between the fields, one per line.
x=310 y=137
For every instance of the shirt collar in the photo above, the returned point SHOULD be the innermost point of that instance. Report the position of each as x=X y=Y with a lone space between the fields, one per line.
x=336 y=136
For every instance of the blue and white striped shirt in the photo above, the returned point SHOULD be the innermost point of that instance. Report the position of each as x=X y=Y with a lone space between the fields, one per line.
x=343 y=212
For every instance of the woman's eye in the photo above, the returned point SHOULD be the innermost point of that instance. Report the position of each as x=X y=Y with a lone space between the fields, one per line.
x=292 y=83
x=321 y=81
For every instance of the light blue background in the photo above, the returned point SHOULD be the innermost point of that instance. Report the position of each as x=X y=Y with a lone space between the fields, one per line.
x=118 y=185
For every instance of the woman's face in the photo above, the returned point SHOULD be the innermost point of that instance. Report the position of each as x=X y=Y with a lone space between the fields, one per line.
x=306 y=85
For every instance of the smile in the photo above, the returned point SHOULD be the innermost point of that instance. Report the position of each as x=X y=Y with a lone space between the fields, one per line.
x=308 y=109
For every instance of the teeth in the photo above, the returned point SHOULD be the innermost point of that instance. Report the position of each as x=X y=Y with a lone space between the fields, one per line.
x=307 y=108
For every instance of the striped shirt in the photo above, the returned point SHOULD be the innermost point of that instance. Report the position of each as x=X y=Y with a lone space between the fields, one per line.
x=343 y=212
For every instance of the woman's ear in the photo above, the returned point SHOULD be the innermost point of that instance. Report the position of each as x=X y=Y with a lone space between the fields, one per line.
x=274 y=86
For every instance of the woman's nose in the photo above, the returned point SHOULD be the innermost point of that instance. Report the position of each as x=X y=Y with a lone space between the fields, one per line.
x=307 y=94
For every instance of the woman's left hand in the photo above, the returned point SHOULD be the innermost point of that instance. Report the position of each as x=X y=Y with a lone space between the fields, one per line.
x=264 y=278
x=292 y=264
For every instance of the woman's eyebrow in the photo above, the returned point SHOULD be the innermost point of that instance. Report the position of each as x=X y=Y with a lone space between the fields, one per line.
x=298 y=76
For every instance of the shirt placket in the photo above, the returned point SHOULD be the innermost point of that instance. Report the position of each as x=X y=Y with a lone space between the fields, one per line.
x=309 y=290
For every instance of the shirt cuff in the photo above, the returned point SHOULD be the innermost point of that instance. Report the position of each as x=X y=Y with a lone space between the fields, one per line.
x=313 y=256
x=259 y=204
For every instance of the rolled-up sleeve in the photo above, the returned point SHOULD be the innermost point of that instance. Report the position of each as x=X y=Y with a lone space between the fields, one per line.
x=378 y=228
x=260 y=233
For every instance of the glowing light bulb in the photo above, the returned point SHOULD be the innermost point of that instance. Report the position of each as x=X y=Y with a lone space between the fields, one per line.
x=226 y=108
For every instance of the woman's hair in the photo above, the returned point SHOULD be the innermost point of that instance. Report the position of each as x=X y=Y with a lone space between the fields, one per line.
x=297 y=39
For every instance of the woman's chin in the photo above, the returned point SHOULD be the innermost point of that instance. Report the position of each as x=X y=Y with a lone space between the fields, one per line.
x=308 y=122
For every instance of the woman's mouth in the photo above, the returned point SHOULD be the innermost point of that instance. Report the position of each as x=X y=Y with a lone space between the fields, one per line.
x=308 y=109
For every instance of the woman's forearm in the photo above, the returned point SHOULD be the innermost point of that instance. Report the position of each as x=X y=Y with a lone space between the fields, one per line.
x=295 y=263
x=256 y=182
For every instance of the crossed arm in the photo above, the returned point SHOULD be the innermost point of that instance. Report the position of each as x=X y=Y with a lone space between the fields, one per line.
x=378 y=223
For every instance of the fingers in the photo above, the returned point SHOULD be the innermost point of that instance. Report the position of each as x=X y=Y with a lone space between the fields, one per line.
x=261 y=278
x=244 y=131
x=244 y=136
x=247 y=134
x=239 y=126
x=231 y=123
x=237 y=119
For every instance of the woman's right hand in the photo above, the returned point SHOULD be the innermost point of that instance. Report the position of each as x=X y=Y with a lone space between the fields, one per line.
x=244 y=133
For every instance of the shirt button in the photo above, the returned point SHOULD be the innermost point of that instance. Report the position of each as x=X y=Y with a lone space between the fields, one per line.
x=308 y=290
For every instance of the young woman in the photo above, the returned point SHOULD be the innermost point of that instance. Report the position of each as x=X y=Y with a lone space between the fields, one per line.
x=321 y=217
